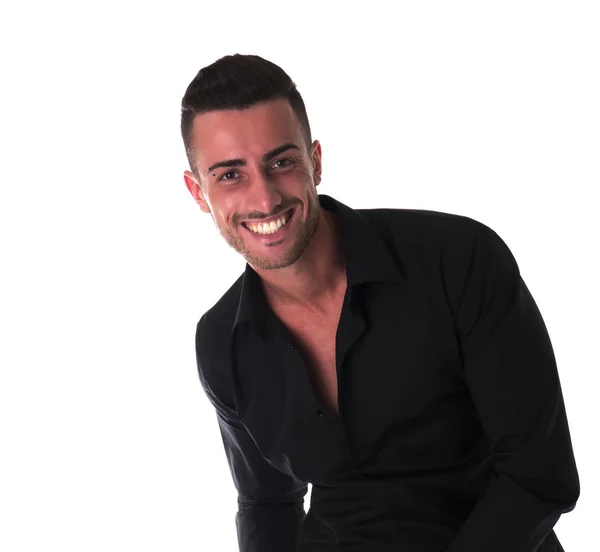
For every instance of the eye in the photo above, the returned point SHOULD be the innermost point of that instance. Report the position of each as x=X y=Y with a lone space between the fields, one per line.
x=226 y=176
x=283 y=163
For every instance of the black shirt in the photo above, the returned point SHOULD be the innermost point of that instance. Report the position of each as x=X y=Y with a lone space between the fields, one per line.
x=452 y=433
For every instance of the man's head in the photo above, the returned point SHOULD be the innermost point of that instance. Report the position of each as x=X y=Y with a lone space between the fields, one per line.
x=248 y=142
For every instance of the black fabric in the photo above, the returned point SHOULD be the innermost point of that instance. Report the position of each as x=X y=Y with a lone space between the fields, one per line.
x=452 y=434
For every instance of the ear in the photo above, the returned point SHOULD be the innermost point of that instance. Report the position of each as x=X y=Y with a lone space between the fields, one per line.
x=316 y=160
x=194 y=188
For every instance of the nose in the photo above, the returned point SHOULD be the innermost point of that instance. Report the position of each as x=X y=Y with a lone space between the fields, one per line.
x=264 y=196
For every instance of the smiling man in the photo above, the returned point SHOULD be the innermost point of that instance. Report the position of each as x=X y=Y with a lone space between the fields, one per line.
x=393 y=358
x=268 y=240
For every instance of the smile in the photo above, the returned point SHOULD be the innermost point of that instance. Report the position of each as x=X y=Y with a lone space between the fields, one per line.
x=269 y=227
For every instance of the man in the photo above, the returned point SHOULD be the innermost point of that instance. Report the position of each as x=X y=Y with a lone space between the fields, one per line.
x=392 y=358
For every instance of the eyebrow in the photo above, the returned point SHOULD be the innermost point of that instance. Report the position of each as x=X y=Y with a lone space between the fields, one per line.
x=242 y=162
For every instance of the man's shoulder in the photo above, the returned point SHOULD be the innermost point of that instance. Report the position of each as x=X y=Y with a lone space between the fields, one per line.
x=216 y=323
x=423 y=227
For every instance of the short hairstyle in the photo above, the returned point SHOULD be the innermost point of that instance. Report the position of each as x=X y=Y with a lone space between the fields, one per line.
x=238 y=81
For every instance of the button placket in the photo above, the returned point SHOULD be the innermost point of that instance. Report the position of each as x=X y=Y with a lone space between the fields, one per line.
x=319 y=412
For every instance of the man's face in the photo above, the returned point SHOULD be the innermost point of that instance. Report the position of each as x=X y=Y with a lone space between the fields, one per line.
x=258 y=181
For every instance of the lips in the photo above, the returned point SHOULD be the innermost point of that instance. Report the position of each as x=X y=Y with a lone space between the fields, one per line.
x=267 y=220
x=270 y=225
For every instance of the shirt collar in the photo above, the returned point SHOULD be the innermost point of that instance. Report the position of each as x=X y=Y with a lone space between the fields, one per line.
x=367 y=260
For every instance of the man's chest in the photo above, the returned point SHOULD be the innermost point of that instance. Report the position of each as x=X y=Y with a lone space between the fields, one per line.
x=384 y=371
x=316 y=339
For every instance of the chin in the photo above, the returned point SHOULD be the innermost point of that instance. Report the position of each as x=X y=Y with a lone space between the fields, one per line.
x=275 y=262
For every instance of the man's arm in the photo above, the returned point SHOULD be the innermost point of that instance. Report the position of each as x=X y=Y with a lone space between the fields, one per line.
x=510 y=370
x=270 y=502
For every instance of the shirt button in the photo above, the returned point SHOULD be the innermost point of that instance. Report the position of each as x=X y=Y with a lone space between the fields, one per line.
x=292 y=346
x=319 y=414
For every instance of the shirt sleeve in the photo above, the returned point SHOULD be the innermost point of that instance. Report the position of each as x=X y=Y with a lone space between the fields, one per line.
x=509 y=367
x=270 y=503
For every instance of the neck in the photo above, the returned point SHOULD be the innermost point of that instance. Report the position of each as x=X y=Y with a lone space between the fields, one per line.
x=317 y=278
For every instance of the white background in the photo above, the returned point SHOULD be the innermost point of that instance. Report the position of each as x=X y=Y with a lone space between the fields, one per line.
x=485 y=109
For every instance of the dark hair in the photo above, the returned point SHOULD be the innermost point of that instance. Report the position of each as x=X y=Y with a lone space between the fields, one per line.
x=236 y=82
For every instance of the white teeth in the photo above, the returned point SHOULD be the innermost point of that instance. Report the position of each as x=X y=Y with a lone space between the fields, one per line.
x=268 y=227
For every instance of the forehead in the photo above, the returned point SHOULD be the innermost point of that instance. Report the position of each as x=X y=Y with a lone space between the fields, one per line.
x=246 y=133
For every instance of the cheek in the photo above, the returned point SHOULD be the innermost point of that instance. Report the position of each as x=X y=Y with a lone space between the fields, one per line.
x=224 y=218
x=224 y=210
x=306 y=170
x=300 y=176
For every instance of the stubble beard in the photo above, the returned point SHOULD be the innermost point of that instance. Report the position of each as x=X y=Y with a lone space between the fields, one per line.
x=304 y=233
